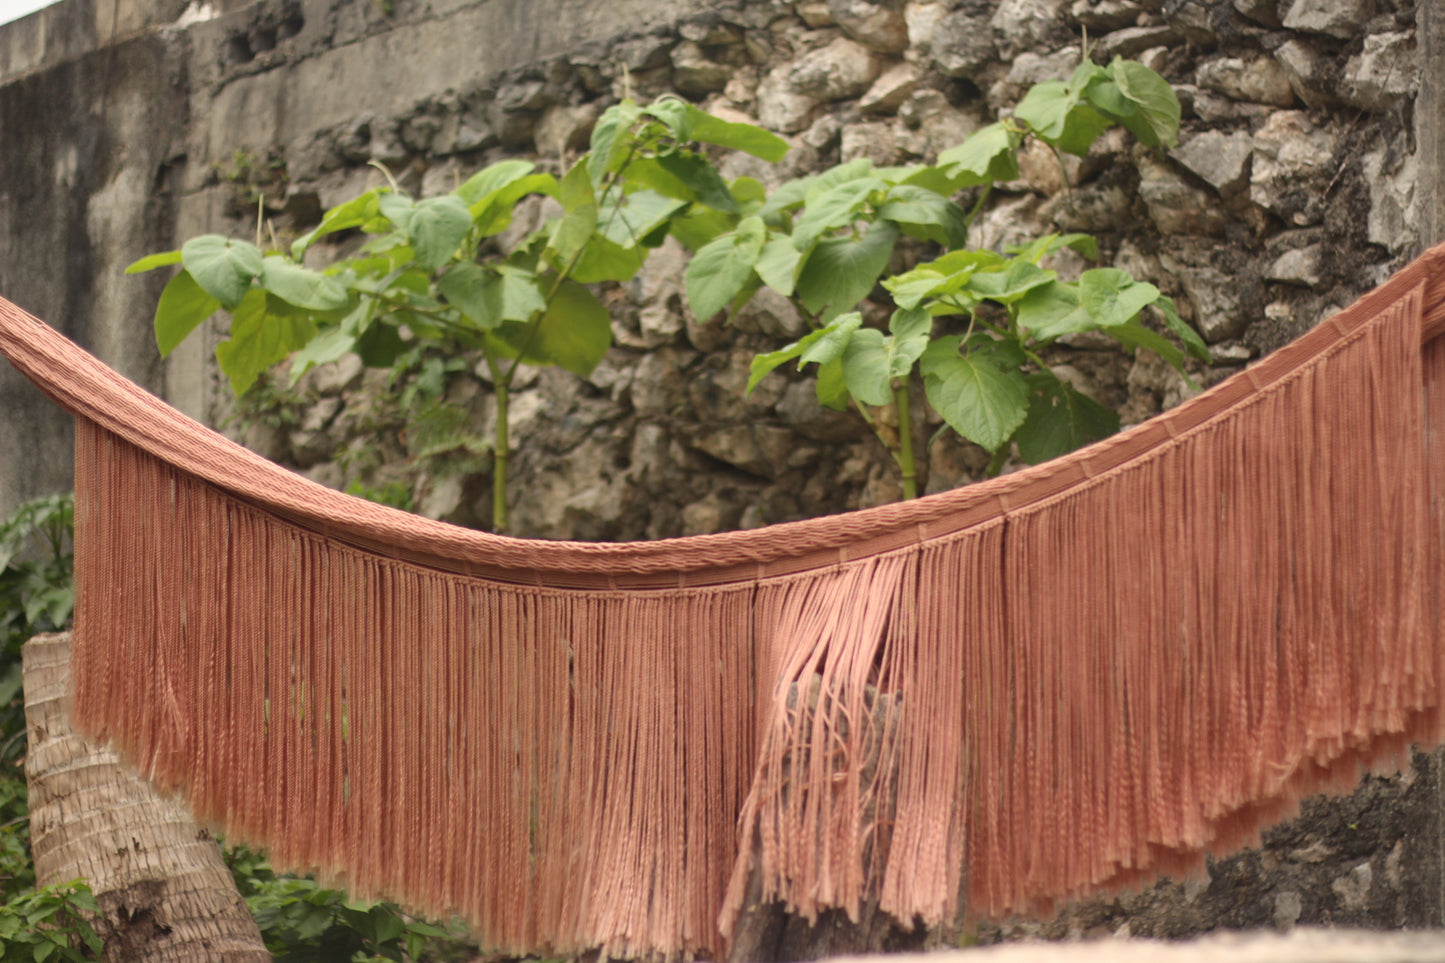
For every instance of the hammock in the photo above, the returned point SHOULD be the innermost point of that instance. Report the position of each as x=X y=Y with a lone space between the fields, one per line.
x=1014 y=693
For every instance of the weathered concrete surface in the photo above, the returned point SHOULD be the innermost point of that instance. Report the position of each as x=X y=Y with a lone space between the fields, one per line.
x=88 y=158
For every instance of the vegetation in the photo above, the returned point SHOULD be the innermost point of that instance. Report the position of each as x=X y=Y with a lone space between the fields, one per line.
x=430 y=282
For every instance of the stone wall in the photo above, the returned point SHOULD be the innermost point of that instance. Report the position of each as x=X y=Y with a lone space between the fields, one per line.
x=1298 y=185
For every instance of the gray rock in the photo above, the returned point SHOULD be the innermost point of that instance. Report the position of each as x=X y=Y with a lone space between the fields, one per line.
x=876 y=24
x=1215 y=298
x=891 y=89
x=1220 y=160
x=922 y=19
x=780 y=106
x=1028 y=68
x=1088 y=209
x=1354 y=889
x=1287 y=909
x=1299 y=266
x=1290 y=163
x=815 y=14
x=1021 y=25
x=874 y=141
x=1337 y=18
x=336 y=376
x=694 y=73
x=1393 y=221
x=1194 y=19
x=710 y=32
x=1176 y=207
x=1306 y=70
x=1105 y=15
x=841 y=69
x=563 y=129
x=1385 y=71
x=773 y=315
x=1258 y=79
x=1132 y=41
x=1260 y=11
x=963 y=42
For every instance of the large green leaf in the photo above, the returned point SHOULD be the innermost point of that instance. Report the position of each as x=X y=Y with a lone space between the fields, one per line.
x=183 y=305
x=489 y=298
x=152 y=261
x=833 y=340
x=605 y=260
x=841 y=271
x=1058 y=115
x=1156 y=122
x=438 y=227
x=987 y=155
x=719 y=270
x=223 y=267
x=301 y=286
x=610 y=138
x=264 y=330
x=1193 y=343
x=493 y=178
x=925 y=215
x=980 y=401
x=493 y=213
x=675 y=114
x=353 y=213
x=699 y=178
x=1134 y=335
x=778 y=265
x=765 y=364
x=910 y=329
x=1112 y=297
x=1061 y=419
x=836 y=207
x=636 y=216
x=322 y=349
x=796 y=192
x=744 y=137
x=574 y=334
x=866 y=367
x=1053 y=309
x=831 y=385
x=1010 y=284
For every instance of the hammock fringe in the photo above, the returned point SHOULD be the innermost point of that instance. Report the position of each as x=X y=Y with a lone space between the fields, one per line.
x=994 y=700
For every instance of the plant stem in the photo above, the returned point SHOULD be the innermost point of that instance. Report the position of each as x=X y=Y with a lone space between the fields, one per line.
x=501 y=455
x=909 y=468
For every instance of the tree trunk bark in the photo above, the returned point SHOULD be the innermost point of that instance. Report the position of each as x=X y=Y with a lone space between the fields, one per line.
x=162 y=887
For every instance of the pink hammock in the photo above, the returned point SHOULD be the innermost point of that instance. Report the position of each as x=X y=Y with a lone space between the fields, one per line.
x=1009 y=694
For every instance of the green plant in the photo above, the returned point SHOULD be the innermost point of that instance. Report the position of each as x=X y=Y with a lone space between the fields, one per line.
x=35 y=596
x=305 y=922
x=50 y=924
x=430 y=273
x=973 y=323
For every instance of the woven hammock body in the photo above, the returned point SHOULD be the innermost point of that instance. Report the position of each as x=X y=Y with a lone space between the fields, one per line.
x=1072 y=677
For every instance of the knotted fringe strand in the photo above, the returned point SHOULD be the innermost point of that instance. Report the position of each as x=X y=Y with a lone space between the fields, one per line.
x=1104 y=685
x=1079 y=690
x=563 y=769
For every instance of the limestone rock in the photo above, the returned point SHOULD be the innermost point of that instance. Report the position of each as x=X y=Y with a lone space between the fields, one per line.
x=1215 y=298
x=1194 y=19
x=922 y=19
x=774 y=315
x=874 y=141
x=1105 y=15
x=1176 y=207
x=841 y=69
x=563 y=129
x=1337 y=18
x=1220 y=160
x=891 y=89
x=1393 y=221
x=1385 y=71
x=1298 y=266
x=781 y=106
x=1089 y=209
x=815 y=13
x=963 y=41
x=1028 y=69
x=876 y=24
x=1021 y=25
x=1258 y=79
x=1291 y=161
x=694 y=73
x=1307 y=71
x=1260 y=11
x=1132 y=41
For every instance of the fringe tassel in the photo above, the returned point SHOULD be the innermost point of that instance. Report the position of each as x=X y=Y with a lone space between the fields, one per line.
x=1065 y=683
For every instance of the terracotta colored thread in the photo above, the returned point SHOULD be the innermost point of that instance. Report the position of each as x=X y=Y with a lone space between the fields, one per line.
x=1000 y=697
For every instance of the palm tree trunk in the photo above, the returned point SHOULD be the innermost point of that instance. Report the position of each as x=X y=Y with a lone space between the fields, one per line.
x=162 y=887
